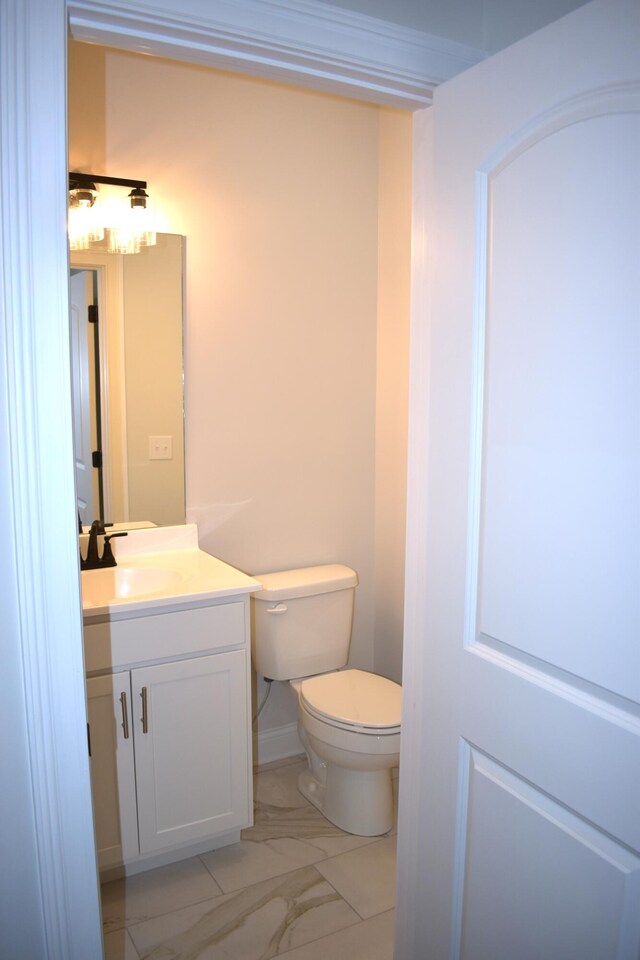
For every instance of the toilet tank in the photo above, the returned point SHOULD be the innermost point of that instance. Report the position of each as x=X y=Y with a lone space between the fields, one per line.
x=302 y=621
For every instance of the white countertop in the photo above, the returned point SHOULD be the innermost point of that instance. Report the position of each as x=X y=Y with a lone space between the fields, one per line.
x=158 y=569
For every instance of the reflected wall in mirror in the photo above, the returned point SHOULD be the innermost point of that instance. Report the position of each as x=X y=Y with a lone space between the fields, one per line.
x=128 y=383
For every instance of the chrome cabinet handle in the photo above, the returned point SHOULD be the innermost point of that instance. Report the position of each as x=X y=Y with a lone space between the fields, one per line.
x=145 y=719
x=125 y=715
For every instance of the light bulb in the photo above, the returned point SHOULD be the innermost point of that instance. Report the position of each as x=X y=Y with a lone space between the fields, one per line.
x=83 y=222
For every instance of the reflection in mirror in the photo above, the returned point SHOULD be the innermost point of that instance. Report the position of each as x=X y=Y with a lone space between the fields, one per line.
x=128 y=383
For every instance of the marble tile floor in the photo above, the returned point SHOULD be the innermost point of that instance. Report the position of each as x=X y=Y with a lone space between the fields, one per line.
x=295 y=887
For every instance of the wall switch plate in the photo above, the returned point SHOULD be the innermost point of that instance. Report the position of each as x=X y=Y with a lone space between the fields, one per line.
x=160 y=448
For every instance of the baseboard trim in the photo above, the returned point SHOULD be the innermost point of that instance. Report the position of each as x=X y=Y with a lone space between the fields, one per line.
x=276 y=744
x=184 y=852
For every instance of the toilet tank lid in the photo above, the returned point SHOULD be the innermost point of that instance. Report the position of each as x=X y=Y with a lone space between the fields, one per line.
x=305 y=582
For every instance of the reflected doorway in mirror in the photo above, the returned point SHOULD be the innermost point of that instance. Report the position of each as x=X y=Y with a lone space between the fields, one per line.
x=139 y=388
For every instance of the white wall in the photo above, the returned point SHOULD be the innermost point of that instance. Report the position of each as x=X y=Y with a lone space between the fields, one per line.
x=277 y=191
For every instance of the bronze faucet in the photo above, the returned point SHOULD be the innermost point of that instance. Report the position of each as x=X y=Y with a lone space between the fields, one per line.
x=94 y=561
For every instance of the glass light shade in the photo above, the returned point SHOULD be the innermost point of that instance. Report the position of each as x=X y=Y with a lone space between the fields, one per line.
x=135 y=229
x=84 y=225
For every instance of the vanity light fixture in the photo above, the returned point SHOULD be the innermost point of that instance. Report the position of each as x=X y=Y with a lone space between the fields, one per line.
x=84 y=227
x=131 y=228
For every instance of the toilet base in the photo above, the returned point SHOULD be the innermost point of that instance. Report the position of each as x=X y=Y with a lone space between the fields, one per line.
x=356 y=801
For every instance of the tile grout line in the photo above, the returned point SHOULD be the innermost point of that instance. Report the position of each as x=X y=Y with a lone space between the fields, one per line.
x=323 y=858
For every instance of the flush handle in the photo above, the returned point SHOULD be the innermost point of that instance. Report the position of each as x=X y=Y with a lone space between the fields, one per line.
x=279 y=608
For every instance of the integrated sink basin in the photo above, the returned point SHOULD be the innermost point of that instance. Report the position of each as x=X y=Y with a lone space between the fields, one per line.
x=104 y=587
x=159 y=570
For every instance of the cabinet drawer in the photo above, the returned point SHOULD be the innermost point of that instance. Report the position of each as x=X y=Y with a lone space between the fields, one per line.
x=120 y=643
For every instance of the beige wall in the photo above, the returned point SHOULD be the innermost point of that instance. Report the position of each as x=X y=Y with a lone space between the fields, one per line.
x=152 y=294
x=392 y=387
x=295 y=401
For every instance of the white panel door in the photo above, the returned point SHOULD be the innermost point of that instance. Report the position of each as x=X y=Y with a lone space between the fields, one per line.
x=527 y=818
x=192 y=764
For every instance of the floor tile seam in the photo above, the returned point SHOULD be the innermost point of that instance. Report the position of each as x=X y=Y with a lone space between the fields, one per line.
x=324 y=936
x=126 y=923
x=278 y=876
x=167 y=913
x=344 y=896
x=133 y=946
x=163 y=913
x=277 y=764
x=321 y=858
x=369 y=842
x=246 y=886
x=206 y=854
x=233 y=893
x=313 y=841
x=333 y=933
x=342 y=853
x=124 y=930
x=346 y=899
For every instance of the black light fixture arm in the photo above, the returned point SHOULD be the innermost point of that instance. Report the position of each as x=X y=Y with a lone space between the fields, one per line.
x=87 y=179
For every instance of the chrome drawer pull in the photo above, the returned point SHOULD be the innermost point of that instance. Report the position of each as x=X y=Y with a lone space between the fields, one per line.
x=145 y=724
x=125 y=715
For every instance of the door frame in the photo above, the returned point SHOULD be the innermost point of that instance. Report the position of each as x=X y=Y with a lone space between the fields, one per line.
x=303 y=42
x=108 y=273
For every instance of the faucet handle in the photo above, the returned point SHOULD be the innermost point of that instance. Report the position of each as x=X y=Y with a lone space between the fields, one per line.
x=108 y=559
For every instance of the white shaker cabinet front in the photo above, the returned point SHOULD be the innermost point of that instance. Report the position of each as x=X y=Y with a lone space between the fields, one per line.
x=189 y=723
x=113 y=778
x=170 y=732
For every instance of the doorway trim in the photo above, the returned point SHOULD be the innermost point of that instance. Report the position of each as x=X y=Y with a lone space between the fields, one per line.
x=109 y=282
x=41 y=582
x=44 y=595
x=292 y=41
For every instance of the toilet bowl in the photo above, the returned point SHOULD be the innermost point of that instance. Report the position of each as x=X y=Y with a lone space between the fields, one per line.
x=352 y=746
x=348 y=720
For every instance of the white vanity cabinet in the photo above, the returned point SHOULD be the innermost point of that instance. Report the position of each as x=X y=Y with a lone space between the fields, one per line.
x=170 y=733
x=191 y=769
x=113 y=779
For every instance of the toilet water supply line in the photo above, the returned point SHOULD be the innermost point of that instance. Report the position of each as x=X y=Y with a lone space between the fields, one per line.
x=264 y=699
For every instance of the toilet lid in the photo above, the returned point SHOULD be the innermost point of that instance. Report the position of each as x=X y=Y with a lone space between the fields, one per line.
x=354 y=698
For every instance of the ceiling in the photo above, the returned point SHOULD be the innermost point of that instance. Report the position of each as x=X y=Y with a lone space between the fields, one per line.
x=488 y=25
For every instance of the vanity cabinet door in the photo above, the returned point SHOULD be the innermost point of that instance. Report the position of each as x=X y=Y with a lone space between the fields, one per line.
x=113 y=784
x=192 y=764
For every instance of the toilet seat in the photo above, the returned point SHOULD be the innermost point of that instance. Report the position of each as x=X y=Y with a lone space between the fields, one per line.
x=354 y=700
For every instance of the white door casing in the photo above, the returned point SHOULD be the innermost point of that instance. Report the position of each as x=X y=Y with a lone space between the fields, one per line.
x=108 y=273
x=523 y=808
x=43 y=601
x=51 y=902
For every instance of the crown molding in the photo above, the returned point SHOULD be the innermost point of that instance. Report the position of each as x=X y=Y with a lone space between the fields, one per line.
x=296 y=41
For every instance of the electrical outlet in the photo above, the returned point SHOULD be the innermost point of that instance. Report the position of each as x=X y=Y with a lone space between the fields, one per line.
x=160 y=448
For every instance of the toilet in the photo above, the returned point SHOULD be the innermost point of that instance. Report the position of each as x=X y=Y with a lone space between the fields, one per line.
x=348 y=720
